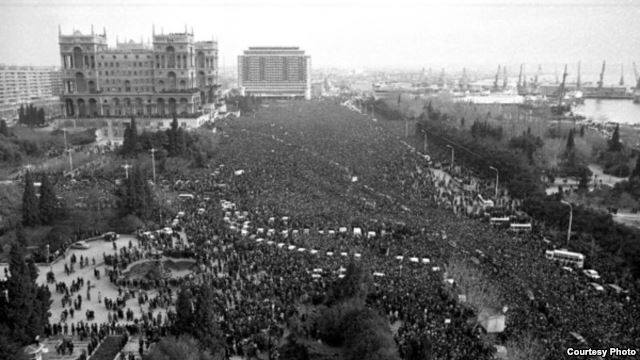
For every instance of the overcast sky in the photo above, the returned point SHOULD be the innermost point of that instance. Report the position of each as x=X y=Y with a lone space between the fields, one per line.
x=348 y=33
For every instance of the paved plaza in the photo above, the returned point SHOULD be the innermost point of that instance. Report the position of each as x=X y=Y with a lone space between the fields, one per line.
x=100 y=288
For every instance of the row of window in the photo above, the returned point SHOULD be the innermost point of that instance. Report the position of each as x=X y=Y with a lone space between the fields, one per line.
x=134 y=81
x=126 y=73
x=135 y=89
x=125 y=56
x=134 y=64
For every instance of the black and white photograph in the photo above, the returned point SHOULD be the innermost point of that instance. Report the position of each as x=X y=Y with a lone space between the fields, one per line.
x=319 y=179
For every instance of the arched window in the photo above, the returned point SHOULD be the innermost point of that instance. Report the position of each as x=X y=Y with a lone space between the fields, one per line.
x=172 y=80
x=81 y=84
x=171 y=57
x=201 y=59
x=77 y=57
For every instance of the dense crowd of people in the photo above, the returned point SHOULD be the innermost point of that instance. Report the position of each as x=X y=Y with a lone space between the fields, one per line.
x=289 y=204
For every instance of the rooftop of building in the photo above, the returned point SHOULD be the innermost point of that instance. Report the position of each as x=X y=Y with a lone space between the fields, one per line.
x=27 y=67
x=274 y=50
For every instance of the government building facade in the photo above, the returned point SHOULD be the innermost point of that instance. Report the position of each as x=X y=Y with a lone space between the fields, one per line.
x=275 y=72
x=172 y=75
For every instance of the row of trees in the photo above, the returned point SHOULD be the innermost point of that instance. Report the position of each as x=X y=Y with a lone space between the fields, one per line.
x=42 y=210
x=135 y=196
x=596 y=229
x=174 y=140
x=24 y=306
x=4 y=129
x=31 y=116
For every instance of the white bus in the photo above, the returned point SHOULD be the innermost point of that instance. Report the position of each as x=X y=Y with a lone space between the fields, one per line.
x=566 y=257
x=520 y=227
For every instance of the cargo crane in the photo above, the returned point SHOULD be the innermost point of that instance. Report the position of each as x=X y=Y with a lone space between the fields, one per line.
x=561 y=108
x=504 y=78
x=464 y=81
x=520 y=76
x=495 y=82
x=601 y=81
x=442 y=82
x=636 y=93
x=536 y=79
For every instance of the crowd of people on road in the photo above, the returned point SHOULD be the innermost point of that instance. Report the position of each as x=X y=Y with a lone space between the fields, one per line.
x=289 y=204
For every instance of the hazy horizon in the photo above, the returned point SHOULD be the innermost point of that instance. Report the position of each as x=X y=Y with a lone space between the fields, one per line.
x=351 y=34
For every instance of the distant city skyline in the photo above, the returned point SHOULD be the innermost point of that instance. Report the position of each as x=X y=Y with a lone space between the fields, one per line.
x=351 y=34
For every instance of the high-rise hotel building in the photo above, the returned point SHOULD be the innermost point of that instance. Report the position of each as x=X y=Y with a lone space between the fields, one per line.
x=275 y=72
x=23 y=85
x=173 y=74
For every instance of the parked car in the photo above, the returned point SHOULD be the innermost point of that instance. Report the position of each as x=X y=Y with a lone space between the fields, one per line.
x=110 y=236
x=591 y=274
x=81 y=245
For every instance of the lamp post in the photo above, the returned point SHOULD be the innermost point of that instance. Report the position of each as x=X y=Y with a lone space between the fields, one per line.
x=570 y=219
x=126 y=170
x=496 y=170
x=153 y=163
x=452 y=156
x=425 y=141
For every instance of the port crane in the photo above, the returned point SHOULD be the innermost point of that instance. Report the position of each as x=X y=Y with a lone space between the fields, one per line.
x=504 y=78
x=537 y=77
x=636 y=94
x=495 y=82
x=601 y=81
x=464 y=81
x=560 y=108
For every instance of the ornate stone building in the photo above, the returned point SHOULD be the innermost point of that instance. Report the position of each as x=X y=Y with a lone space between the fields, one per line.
x=174 y=74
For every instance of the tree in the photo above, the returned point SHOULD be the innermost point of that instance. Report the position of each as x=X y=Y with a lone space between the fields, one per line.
x=184 y=312
x=178 y=348
x=636 y=170
x=30 y=211
x=40 y=118
x=48 y=204
x=570 y=142
x=293 y=350
x=614 y=142
x=172 y=135
x=21 y=114
x=205 y=325
x=4 y=129
x=130 y=141
x=134 y=195
x=24 y=311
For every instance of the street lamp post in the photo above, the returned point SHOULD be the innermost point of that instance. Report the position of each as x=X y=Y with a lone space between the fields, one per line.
x=496 y=170
x=70 y=160
x=425 y=141
x=452 y=155
x=153 y=163
x=126 y=170
x=570 y=220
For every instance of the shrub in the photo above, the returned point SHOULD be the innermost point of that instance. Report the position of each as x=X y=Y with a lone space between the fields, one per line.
x=128 y=224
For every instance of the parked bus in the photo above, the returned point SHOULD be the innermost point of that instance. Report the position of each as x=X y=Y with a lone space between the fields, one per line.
x=521 y=222
x=566 y=257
